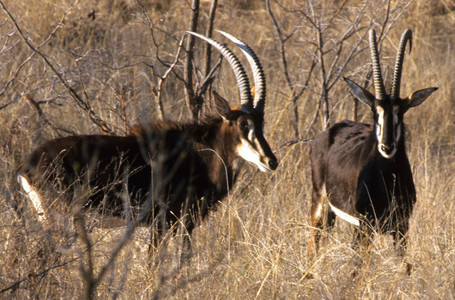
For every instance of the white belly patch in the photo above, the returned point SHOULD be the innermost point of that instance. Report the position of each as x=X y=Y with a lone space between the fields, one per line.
x=345 y=216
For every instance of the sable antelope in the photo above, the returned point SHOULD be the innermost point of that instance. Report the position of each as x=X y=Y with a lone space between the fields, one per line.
x=364 y=167
x=173 y=172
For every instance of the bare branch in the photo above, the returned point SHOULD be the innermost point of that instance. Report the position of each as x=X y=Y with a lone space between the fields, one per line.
x=40 y=274
x=210 y=77
x=87 y=272
x=295 y=95
x=208 y=33
x=52 y=34
x=158 y=93
x=192 y=105
x=79 y=101
x=282 y=45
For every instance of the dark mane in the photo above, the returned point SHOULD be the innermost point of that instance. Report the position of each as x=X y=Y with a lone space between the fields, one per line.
x=192 y=128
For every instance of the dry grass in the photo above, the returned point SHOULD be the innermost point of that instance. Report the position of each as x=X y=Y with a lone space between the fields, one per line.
x=254 y=245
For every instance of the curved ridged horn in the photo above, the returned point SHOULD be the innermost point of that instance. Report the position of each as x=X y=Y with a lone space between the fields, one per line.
x=378 y=83
x=256 y=67
x=395 y=89
x=246 y=100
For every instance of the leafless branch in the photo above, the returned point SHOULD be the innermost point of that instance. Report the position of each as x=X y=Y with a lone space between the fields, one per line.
x=79 y=101
x=209 y=77
x=283 y=39
x=208 y=33
x=19 y=68
x=295 y=93
x=92 y=280
x=161 y=80
x=190 y=98
x=40 y=274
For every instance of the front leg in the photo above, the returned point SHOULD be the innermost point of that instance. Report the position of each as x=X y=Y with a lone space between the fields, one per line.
x=316 y=219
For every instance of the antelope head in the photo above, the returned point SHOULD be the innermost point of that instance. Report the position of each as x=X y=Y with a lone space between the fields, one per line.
x=245 y=124
x=389 y=109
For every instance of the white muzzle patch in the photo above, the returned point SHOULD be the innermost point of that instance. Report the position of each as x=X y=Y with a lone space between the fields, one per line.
x=250 y=150
x=249 y=154
x=385 y=154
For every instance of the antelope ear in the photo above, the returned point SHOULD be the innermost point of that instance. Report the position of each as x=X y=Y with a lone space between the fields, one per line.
x=222 y=106
x=360 y=93
x=418 y=97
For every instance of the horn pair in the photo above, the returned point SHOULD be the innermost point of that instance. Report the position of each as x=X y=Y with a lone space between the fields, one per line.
x=396 y=81
x=247 y=102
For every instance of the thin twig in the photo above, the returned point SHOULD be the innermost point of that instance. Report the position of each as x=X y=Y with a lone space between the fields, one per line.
x=161 y=80
x=282 y=44
x=79 y=101
x=17 y=283
x=208 y=33
x=210 y=77
x=16 y=72
x=293 y=142
x=295 y=95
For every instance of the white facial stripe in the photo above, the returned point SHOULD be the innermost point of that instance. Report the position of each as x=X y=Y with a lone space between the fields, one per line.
x=251 y=135
x=247 y=152
x=397 y=132
x=345 y=216
x=380 y=129
x=396 y=110
x=34 y=197
x=250 y=148
x=379 y=126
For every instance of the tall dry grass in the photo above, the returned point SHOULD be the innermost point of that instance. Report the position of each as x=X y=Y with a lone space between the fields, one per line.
x=254 y=245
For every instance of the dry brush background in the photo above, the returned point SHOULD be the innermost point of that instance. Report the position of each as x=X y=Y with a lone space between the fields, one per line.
x=254 y=245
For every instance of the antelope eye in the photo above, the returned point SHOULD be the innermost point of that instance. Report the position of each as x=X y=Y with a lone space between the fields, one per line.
x=244 y=125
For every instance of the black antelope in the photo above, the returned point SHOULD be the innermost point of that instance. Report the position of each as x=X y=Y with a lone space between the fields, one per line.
x=364 y=167
x=172 y=172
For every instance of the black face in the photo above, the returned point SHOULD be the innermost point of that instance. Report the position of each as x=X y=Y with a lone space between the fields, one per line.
x=252 y=145
x=388 y=115
x=248 y=137
x=388 y=126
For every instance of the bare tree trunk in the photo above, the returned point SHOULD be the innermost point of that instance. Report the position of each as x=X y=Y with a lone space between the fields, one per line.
x=208 y=33
x=190 y=99
x=324 y=92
